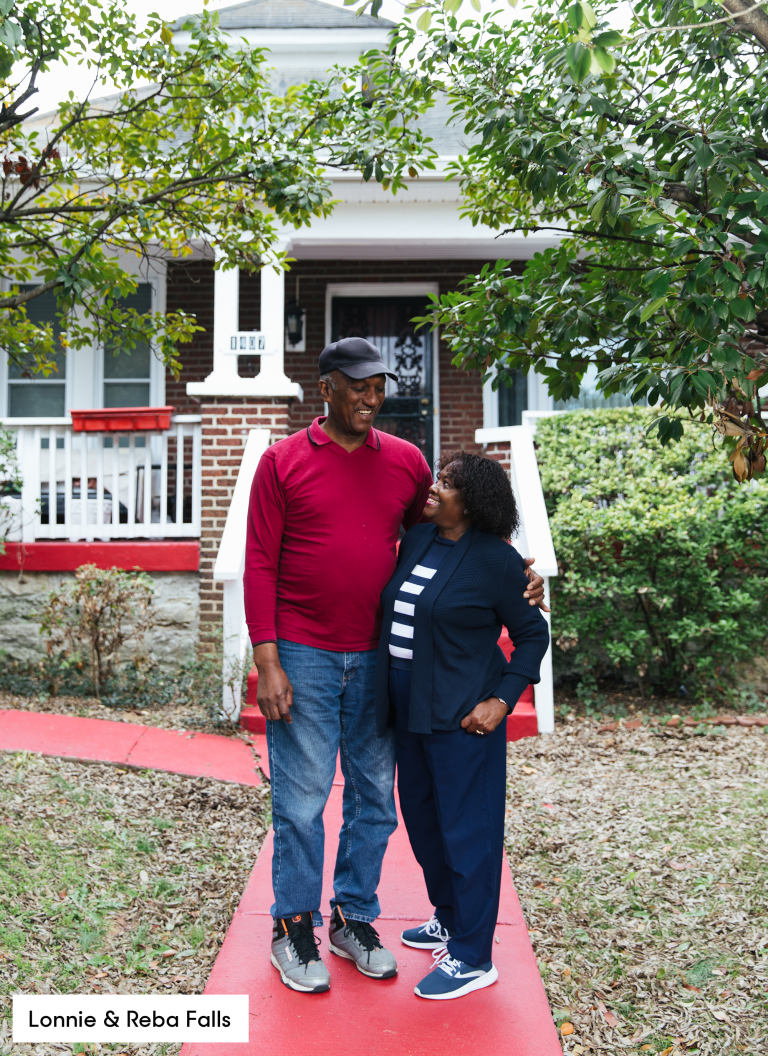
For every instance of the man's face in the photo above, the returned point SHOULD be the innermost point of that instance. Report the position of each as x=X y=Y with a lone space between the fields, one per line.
x=353 y=404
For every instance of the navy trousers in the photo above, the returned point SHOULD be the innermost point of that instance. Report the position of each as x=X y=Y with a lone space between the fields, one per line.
x=452 y=788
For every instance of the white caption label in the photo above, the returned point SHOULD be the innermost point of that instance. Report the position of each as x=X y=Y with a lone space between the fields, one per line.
x=122 y=1018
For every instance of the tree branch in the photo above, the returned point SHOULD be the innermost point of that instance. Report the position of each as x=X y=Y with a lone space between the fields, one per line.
x=749 y=17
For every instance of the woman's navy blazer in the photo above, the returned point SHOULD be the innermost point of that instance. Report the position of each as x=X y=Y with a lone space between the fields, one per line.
x=457 y=661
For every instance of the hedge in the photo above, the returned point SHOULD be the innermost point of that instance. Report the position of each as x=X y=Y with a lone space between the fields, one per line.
x=662 y=556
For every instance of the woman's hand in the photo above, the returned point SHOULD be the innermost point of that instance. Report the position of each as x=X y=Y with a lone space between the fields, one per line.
x=485 y=716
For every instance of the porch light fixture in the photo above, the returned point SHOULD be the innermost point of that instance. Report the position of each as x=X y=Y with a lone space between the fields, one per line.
x=294 y=319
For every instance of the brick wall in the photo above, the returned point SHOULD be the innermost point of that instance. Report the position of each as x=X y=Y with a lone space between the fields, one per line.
x=226 y=421
x=501 y=452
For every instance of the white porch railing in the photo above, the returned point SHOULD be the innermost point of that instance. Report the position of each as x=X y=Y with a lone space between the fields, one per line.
x=229 y=568
x=534 y=538
x=102 y=486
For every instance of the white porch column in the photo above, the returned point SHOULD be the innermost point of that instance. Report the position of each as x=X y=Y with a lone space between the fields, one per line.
x=268 y=343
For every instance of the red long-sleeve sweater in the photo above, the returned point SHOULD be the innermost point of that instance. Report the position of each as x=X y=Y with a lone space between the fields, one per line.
x=323 y=525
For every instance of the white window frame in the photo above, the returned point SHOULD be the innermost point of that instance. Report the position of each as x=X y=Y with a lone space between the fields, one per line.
x=538 y=399
x=156 y=367
x=393 y=289
x=5 y=287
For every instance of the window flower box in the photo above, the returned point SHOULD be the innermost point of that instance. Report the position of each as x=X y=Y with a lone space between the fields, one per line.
x=122 y=419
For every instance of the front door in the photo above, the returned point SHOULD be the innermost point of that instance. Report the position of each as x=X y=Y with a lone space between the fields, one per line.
x=408 y=410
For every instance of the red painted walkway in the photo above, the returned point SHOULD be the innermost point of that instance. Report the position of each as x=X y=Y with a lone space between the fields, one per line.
x=70 y=737
x=359 y=1016
x=363 y=1017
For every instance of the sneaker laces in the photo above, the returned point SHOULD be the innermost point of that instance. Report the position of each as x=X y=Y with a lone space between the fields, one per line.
x=304 y=941
x=363 y=933
x=444 y=961
x=433 y=928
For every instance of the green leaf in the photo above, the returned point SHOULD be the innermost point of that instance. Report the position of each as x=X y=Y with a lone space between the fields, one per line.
x=739 y=308
x=609 y=38
x=452 y=6
x=651 y=309
x=704 y=156
x=579 y=59
x=575 y=16
x=604 y=60
x=476 y=4
x=424 y=21
x=589 y=14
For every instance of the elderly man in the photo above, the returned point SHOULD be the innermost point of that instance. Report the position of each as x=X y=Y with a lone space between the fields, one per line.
x=326 y=508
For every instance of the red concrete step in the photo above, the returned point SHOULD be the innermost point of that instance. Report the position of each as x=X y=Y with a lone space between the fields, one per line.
x=521 y=723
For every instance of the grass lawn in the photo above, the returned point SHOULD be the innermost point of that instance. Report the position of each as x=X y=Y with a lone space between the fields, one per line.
x=116 y=881
x=640 y=860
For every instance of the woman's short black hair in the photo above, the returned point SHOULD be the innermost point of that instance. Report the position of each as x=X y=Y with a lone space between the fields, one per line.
x=486 y=491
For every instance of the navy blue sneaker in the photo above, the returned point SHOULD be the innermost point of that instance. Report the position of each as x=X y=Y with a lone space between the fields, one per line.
x=429 y=936
x=451 y=978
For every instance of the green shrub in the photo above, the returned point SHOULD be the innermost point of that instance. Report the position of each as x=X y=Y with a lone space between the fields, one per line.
x=663 y=557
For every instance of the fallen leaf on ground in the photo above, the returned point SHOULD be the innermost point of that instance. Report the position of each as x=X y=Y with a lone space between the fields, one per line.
x=527 y=769
x=607 y=1015
x=721 y=1016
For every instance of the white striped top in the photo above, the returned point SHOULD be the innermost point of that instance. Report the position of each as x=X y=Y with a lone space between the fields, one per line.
x=401 y=634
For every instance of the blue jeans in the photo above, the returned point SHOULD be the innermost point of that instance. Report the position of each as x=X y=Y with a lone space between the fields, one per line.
x=332 y=709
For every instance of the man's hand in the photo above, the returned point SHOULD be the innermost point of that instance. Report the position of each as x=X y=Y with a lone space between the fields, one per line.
x=274 y=694
x=485 y=716
x=535 y=591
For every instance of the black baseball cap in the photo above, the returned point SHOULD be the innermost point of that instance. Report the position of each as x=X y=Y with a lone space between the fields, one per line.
x=354 y=356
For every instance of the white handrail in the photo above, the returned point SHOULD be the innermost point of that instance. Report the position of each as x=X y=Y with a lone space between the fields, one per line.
x=533 y=540
x=228 y=569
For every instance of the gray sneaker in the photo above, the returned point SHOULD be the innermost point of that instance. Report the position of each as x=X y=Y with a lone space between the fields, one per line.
x=359 y=942
x=296 y=957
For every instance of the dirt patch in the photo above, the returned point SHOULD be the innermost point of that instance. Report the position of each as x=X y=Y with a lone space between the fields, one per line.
x=639 y=857
x=117 y=881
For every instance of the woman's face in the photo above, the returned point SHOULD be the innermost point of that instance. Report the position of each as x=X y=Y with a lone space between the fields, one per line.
x=445 y=503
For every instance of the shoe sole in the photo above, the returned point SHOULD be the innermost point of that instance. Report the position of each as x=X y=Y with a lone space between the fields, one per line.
x=371 y=975
x=474 y=984
x=292 y=985
x=422 y=945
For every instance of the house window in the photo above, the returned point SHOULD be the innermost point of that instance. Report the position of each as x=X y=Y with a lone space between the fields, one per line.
x=126 y=373
x=513 y=399
x=32 y=395
x=591 y=398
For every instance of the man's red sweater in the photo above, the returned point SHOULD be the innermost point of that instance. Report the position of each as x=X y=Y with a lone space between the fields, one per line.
x=323 y=525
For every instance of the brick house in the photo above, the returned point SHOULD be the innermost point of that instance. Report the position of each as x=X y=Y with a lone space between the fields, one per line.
x=157 y=492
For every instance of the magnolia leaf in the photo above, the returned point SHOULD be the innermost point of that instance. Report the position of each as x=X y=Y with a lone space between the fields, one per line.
x=589 y=14
x=476 y=4
x=605 y=61
x=424 y=20
x=575 y=16
x=452 y=6
x=512 y=3
x=579 y=59
x=704 y=156
x=609 y=38
x=166 y=35
x=651 y=309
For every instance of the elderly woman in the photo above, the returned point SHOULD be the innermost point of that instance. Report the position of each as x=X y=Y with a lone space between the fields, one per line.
x=444 y=683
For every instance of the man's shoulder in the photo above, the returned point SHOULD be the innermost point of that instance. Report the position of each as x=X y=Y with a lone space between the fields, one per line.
x=286 y=448
x=400 y=450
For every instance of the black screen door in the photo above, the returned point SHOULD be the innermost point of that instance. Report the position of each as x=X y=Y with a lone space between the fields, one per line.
x=408 y=410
